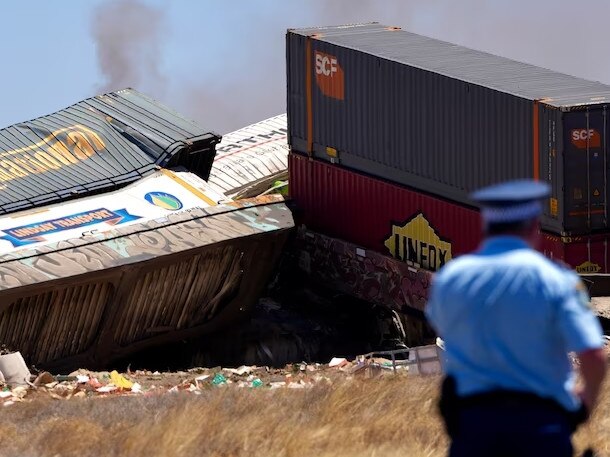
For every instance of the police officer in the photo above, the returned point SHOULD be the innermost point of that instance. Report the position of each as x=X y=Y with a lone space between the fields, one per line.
x=509 y=317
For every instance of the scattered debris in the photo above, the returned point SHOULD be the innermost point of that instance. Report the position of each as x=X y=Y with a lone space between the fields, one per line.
x=43 y=378
x=219 y=379
x=239 y=371
x=120 y=381
x=84 y=383
x=337 y=362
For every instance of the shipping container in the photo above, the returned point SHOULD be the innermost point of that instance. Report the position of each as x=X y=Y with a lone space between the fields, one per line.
x=250 y=159
x=100 y=297
x=151 y=198
x=97 y=145
x=588 y=255
x=446 y=120
x=414 y=227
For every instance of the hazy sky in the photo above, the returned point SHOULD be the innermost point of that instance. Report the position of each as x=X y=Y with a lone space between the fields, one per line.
x=222 y=62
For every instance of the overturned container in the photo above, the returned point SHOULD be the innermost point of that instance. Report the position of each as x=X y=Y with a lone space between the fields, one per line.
x=249 y=160
x=94 y=280
x=111 y=240
x=97 y=145
x=445 y=120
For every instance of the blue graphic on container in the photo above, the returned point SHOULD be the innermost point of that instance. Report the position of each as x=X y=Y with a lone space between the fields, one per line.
x=164 y=200
x=34 y=233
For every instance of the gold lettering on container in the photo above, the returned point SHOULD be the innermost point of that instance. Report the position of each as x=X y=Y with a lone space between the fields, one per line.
x=417 y=242
x=66 y=146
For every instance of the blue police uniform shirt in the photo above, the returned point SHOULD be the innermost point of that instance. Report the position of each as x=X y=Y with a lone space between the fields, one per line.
x=508 y=317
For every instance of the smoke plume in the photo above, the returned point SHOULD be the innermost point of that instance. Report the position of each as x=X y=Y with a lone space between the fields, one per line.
x=235 y=73
x=128 y=36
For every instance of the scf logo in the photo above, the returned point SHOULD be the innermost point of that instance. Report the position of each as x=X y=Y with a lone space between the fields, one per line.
x=329 y=75
x=325 y=65
x=581 y=138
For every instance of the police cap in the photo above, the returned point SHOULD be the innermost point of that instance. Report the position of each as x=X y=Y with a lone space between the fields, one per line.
x=511 y=201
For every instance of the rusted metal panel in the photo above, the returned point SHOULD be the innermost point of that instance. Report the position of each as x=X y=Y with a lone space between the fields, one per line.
x=96 y=145
x=102 y=297
x=347 y=268
x=57 y=323
x=186 y=294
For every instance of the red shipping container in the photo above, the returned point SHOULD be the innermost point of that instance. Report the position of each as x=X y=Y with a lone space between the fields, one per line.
x=587 y=254
x=406 y=224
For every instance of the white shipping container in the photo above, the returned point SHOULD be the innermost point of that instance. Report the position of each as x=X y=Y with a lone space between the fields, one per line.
x=150 y=198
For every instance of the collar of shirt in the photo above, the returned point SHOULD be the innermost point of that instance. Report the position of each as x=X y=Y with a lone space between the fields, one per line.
x=502 y=243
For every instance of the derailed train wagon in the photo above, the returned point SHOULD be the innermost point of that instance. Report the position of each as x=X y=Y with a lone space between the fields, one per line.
x=138 y=254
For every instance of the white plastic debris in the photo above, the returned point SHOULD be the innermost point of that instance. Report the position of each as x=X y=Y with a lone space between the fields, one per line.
x=239 y=371
x=106 y=389
x=337 y=362
x=14 y=369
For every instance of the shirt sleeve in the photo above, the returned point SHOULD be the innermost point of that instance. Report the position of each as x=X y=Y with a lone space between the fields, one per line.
x=578 y=324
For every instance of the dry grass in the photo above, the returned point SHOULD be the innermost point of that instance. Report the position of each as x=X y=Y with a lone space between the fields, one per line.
x=378 y=417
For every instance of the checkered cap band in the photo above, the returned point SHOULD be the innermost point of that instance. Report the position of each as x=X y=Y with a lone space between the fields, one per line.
x=513 y=213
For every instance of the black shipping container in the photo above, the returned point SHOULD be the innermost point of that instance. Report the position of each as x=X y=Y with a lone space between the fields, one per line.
x=446 y=120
